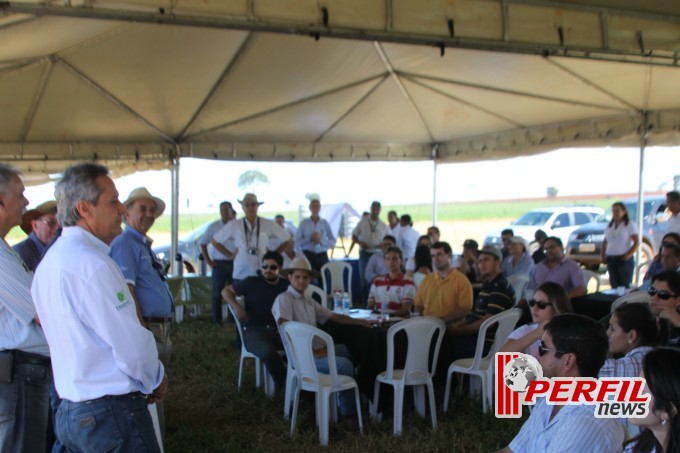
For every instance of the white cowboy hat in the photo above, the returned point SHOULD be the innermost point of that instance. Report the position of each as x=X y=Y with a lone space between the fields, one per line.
x=300 y=264
x=250 y=197
x=141 y=193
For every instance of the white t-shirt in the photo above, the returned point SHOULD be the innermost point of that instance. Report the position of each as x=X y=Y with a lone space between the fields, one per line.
x=619 y=238
x=673 y=223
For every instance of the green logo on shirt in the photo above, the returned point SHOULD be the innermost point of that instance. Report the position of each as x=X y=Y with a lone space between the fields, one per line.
x=121 y=296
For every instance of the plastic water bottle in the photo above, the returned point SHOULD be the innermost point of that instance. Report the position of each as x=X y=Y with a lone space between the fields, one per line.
x=337 y=301
x=203 y=266
x=346 y=303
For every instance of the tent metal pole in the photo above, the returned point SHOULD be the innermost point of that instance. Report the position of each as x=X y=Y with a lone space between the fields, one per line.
x=434 y=184
x=174 y=215
x=641 y=207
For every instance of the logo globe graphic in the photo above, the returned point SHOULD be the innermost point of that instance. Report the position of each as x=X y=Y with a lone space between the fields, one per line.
x=521 y=371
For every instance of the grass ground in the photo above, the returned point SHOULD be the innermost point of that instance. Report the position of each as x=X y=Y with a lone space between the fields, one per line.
x=206 y=413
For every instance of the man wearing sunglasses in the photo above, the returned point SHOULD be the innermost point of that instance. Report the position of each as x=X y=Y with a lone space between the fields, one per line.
x=41 y=225
x=664 y=299
x=572 y=346
x=260 y=333
x=143 y=272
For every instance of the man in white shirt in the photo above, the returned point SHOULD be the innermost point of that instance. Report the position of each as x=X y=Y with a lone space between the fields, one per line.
x=251 y=236
x=25 y=372
x=222 y=264
x=673 y=205
x=106 y=367
x=368 y=233
x=407 y=240
x=572 y=346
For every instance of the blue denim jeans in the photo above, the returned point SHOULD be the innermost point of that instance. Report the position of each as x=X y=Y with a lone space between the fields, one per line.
x=265 y=343
x=365 y=285
x=346 y=401
x=111 y=423
x=25 y=408
x=620 y=271
x=221 y=276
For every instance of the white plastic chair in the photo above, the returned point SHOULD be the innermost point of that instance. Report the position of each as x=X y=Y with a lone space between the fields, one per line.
x=291 y=376
x=417 y=371
x=260 y=369
x=482 y=366
x=640 y=271
x=635 y=297
x=519 y=283
x=589 y=275
x=336 y=270
x=153 y=410
x=313 y=289
x=300 y=336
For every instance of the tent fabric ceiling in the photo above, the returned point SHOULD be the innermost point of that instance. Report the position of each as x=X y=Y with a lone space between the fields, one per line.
x=219 y=80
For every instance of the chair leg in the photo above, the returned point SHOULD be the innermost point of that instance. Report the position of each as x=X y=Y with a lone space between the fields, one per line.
x=376 y=398
x=419 y=399
x=324 y=409
x=258 y=373
x=398 y=406
x=358 y=403
x=296 y=402
x=433 y=410
x=447 y=391
x=290 y=386
x=240 y=372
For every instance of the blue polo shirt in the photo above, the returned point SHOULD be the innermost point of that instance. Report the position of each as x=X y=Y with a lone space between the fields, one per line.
x=30 y=250
x=132 y=252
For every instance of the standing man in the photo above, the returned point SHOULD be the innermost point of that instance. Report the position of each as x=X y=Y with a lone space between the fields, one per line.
x=144 y=273
x=673 y=205
x=41 y=226
x=315 y=237
x=445 y=293
x=25 y=372
x=105 y=361
x=393 y=225
x=506 y=235
x=559 y=269
x=407 y=240
x=260 y=333
x=220 y=260
x=392 y=293
x=368 y=233
x=572 y=346
x=251 y=236
x=495 y=296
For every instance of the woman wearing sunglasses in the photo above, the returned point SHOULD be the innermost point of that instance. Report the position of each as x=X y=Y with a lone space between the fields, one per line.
x=661 y=433
x=550 y=299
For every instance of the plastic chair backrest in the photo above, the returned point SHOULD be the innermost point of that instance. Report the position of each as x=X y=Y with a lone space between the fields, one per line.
x=313 y=289
x=419 y=332
x=300 y=336
x=506 y=321
x=635 y=297
x=588 y=275
x=238 y=324
x=336 y=271
x=519 y=283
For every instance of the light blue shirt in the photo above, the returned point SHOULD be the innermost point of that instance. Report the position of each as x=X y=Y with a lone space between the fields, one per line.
x=573 y=429
x=525 y=266
x=18 y=330
x=305 y=230
x=132 y=252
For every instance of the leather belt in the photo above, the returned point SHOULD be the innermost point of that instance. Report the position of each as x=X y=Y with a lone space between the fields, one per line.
x=159 y=320
x=31 y=359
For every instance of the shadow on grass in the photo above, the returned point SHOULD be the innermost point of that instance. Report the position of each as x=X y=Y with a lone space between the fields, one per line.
x=205 y=412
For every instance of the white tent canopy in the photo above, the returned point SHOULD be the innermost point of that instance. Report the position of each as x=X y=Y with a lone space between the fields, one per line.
x=136 y=84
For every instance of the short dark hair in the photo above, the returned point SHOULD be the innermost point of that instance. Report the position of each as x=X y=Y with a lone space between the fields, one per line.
x=280 y=216
x=672 y=279
x=443 y=245
x=226 y=203
x=674 y=247
x=540 y=235
x=508 y=231
x=393 y=212
x=396 y=250
x=389 y=237
x=673 y=195
x=436 y=229
x=272 y=255
x=556 y=240
x=581 y=336
x=407 y=219
x=376 y=203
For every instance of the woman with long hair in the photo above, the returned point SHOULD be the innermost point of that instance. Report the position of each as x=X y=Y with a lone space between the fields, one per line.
x=423 y=264
x=550 y=299
x=661 y=428
x=620 y=242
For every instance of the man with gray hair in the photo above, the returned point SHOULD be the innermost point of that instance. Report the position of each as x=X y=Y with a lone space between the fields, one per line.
x=106 y=367
x=25 y=371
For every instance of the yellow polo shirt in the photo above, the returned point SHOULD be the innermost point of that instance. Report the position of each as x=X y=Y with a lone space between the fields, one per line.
x=442 y=296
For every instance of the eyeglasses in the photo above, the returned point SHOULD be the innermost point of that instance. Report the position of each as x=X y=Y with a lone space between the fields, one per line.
x=541 y=305
x=542 y=349
x=49 y=223
x=271 y=267
x=661 y=294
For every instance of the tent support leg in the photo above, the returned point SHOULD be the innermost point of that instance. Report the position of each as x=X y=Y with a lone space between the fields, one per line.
x=174 y=215
x=434 y=184
x=640 y=212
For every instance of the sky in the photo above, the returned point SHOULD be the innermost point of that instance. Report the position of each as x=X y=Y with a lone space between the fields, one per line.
x=204 y=183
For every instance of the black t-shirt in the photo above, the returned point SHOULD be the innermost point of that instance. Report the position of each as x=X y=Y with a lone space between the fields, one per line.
x=259 y=297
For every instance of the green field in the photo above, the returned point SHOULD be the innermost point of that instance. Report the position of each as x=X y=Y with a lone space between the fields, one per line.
x=510 y=210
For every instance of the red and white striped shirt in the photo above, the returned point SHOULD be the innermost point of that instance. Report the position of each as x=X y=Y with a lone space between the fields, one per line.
x=394 y=292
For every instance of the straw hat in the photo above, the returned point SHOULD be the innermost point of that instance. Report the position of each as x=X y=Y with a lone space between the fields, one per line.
x=250 y=197
x=300 y=264
x=48 y=207
x=141 y=193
